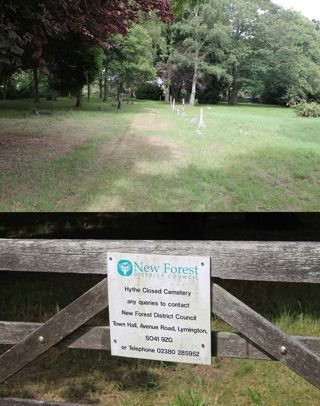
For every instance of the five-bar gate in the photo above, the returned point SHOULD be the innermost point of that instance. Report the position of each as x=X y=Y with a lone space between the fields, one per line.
x=258 y=338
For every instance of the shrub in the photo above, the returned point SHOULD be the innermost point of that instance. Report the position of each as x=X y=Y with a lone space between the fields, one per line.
x=305 y=109
x=149 y=91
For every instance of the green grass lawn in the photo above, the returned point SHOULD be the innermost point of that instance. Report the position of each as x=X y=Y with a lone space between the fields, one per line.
x=145 y=158
x=89 y=376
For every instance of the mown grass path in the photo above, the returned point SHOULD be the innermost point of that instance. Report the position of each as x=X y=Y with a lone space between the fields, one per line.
x=145 y=158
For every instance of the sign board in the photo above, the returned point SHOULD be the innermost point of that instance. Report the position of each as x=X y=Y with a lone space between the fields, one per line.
x=159 y=307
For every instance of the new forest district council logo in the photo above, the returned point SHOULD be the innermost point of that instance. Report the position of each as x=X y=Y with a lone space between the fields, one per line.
x=125 y=267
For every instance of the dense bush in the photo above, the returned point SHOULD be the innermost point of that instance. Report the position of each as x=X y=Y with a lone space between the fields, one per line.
x=305 y=109
x=149 y=91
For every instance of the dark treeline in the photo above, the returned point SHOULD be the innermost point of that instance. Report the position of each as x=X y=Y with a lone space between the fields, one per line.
x=205 y=51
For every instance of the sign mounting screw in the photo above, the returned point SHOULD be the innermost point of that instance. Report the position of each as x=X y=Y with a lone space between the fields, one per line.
x=283 y=350
x=41 y=339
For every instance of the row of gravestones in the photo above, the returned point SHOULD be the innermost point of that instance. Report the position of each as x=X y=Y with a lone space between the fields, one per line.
x=182 y=113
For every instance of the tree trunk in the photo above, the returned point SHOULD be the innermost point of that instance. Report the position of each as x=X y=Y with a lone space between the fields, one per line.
x=234 y=88
x=194 y=89
x=5 y=89
x=167 y=94
x=36 y=85
x=105 y=87
x=89 y=92
x=233 y=94
x=119 y=97
x=101 y=88
x=79 y=99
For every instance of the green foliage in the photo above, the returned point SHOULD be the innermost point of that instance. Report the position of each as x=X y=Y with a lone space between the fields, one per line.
x=195 y=37
x=293 y=50
x=305 y=109
x=20 y=86
x=257 y=48
x=149 y=91
x=255 y=396
x=129 y=63
x=190 y=399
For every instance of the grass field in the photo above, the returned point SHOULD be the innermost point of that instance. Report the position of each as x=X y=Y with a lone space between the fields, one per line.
x=94 y=376
x=145 y=158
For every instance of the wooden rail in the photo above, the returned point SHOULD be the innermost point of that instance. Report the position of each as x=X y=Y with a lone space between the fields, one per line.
x=231 y=345
x=256 y=261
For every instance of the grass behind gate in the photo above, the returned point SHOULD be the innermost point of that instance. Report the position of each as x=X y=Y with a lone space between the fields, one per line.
x=90 y=376
x=146 y=158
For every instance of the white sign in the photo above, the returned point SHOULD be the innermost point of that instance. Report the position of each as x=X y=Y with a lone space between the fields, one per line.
x=159 y=307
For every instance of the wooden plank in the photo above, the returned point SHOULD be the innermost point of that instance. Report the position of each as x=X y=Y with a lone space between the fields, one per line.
x=235 y=345
x=267 y=336
x=229 y=345
x=30 y=402
x=260 y=261
x=53 y=331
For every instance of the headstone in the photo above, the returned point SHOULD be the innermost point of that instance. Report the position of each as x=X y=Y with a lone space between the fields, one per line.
x=183 y=112
x=174 y=105
x=201 y=121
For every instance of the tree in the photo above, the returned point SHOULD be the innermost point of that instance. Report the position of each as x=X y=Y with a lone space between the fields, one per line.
x=294 y=58
x=242 y=58
x=74 y=66
x=195 y=38
x=28 y=27
x=131 y=60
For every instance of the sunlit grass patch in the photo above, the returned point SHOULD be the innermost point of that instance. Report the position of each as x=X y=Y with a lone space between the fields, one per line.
x=146 y=158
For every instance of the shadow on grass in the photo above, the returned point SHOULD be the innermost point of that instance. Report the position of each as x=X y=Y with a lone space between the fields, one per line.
x=83 y=375
x=23 y=108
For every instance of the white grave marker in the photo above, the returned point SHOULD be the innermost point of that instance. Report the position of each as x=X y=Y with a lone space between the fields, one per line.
x=201 y=121
x=159 y=307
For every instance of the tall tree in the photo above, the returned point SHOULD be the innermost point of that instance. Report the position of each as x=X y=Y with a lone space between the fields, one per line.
x=131 y=60
x=75 y=66
x=294 y=58
x=242 y=58
x=27 y=27
x=195 y=37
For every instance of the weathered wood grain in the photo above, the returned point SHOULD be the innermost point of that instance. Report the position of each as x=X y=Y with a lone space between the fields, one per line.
x=228 y=345
x=30 y=402
x=53 y=331
x=260 y=261
x=267 y=336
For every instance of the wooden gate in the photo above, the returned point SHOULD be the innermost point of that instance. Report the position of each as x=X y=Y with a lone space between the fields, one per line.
x=258 y=338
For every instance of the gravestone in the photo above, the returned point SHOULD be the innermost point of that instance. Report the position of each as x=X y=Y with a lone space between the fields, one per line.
x=201 y=121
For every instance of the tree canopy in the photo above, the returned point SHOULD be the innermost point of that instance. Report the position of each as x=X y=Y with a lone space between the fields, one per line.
x=28 y=27
x=210 y=50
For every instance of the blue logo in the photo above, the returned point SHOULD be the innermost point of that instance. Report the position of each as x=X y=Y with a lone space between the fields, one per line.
x=125 y=267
